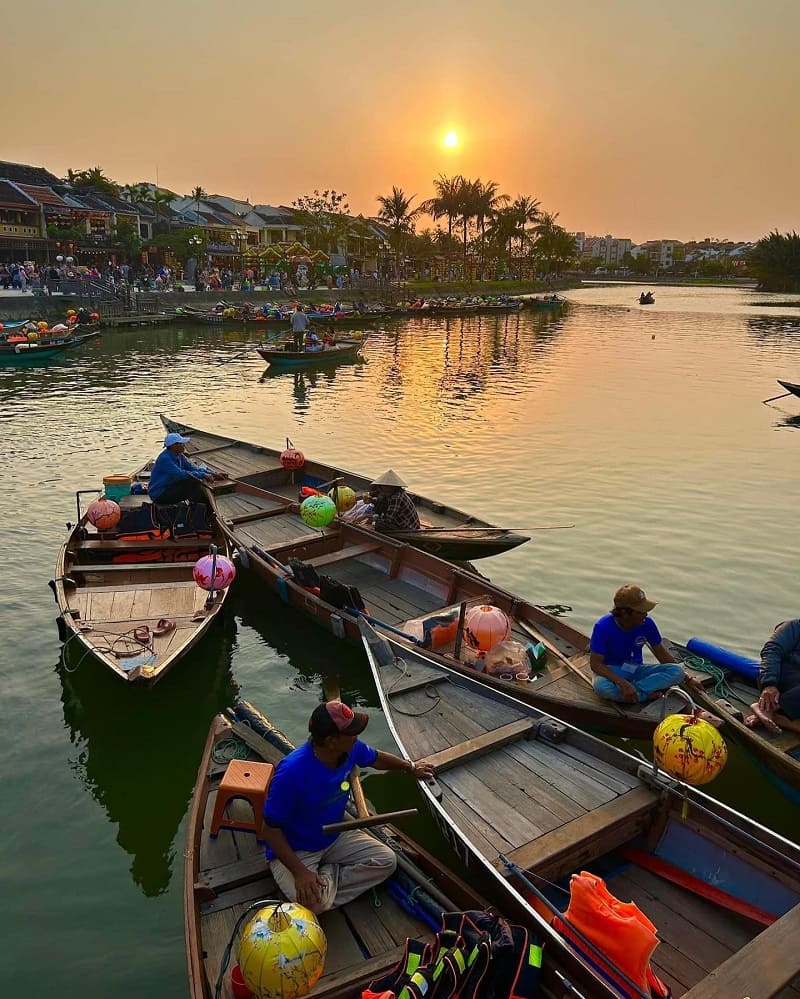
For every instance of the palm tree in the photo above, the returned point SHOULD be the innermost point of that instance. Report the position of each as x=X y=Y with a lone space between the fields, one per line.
x=526 y=210
x=397 y=213
x=445 y=203
x=160 y=201
x=554 y=246
x=775 y=261
x=487 y=203
x=197 y=195
x=468 y=200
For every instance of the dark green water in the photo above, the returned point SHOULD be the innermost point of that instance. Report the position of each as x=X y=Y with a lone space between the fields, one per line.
x=644 y=427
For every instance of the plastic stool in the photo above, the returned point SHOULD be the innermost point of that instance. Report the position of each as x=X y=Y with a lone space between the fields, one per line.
x=248 y=781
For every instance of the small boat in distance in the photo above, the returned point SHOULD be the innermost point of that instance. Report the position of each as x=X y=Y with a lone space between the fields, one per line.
x=647 y=298
x=283 y=355
x=20 y=349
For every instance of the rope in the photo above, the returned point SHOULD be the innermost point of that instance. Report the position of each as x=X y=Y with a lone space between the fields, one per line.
x=229 y=749
x=721 y=688
x=428 y=690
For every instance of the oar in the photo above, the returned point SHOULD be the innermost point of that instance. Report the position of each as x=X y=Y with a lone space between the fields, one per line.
x=455 y=527
x=774 y=397
x=364 y=822
x=253 y=346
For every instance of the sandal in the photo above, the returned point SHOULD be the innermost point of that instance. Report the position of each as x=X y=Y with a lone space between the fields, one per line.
x=142 y=634
x=164 y=627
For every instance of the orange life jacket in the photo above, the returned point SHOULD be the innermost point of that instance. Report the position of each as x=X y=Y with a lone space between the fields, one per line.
x=619 y=930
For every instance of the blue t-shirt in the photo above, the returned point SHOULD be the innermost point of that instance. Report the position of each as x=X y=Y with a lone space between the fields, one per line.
x=305 y=794
x=617 y=646
x=168 y=469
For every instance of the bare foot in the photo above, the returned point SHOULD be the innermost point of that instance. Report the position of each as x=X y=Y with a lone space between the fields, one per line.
x=693 y=685
x=763 y=717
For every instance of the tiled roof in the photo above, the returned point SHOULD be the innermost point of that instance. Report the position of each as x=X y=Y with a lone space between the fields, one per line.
x=44 y=195
x=21 y=173
x=12 y=195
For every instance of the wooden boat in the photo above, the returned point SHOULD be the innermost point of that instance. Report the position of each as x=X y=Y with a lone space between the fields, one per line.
x=131 y=602
x=259 y=466
x=647 y=299
x=550 y=302
x=529 y=801
x=777 y=752
x=284 y=355
x=790 y=387
x=22 y=351
x=226 y=875
x=400 y=587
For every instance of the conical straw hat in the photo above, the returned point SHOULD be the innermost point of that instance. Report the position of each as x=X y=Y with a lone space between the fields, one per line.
x=389 y=478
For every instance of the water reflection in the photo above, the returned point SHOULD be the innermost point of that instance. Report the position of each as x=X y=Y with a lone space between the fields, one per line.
x=137 y=749
x=306 y=379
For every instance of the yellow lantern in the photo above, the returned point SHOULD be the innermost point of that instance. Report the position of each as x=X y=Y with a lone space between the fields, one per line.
x=343 y=497
x=689 y=748
x=282 y=951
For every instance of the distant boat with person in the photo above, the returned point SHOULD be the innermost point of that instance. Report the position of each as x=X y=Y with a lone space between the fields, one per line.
x=647 y=298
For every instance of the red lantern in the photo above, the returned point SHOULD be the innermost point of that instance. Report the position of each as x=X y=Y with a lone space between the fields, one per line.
x=72 y=320
x=104 y=514
x=292 y=459
x=95 y=316
x=485 y=626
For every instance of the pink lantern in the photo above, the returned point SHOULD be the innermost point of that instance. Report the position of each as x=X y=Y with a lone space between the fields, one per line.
x=104 y=514
x=485 y=626
x=292 y=459
x=224 y=572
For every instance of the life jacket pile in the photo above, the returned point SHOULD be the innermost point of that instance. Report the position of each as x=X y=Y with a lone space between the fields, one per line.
x=475 y=955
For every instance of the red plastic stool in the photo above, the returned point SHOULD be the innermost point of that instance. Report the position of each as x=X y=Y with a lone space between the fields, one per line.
x=248 y=781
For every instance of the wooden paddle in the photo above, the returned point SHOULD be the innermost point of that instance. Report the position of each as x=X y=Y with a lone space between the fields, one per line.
x=253 y=346
x=774 y=397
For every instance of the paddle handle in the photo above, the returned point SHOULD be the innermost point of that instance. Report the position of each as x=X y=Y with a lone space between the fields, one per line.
x=368 y=820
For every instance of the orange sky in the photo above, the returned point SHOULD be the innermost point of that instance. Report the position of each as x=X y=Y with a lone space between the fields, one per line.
x=640 y=119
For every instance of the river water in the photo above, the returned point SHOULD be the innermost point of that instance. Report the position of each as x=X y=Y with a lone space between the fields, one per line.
x=643 y=427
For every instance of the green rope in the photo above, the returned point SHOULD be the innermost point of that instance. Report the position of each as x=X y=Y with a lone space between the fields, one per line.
x=721 y=688
x=229 y=749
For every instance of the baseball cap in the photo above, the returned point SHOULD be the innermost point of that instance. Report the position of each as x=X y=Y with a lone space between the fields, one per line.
x=336 y=718
x=633 y=596
x=171 y=439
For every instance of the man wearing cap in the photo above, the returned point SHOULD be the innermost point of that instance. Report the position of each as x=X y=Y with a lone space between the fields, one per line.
x=616 y=646
x=174 y=478
x=310 y=789
x=394 y=508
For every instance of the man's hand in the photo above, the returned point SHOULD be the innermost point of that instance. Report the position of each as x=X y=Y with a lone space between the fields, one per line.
x=422 y=771
x=309 y=887
x=770 y=700
x=628 y=691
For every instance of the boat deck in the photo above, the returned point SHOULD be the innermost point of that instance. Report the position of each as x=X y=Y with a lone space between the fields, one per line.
x=363 y=936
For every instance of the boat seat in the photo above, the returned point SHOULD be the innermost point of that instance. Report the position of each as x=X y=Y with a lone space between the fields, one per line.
x=248 y=781
x=351 y=551
x=125 y=566
x=573 y=844
x=117 y=545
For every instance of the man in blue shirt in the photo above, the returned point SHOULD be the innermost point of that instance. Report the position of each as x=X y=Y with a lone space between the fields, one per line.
x=174 y=478
x=616 y=646
x=310 y=789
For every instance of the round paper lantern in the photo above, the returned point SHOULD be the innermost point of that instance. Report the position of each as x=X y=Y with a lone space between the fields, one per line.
x=282 y=951
x=344 y=498
x=104 y=514
x=318 y=511
x=224 y=572
x=292 y=459
x=95 y=316
x=485 y=626
x=70 y=312
x=689 y=748
x=33 y=334
x=72 y=320
x=42 y=325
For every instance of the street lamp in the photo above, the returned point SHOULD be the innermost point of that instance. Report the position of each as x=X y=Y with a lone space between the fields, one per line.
x=195 y=242
x=237 y=238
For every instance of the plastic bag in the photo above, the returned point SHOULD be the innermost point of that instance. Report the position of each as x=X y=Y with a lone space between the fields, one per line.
x=507 y=659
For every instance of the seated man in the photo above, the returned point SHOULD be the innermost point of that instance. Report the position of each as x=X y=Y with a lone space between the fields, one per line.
x=394 y=508
x=778 y=707
x=309 y=789
x=174 y=478
x=616 y=648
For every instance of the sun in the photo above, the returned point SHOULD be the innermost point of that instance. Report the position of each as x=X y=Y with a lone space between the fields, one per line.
x=450 y=140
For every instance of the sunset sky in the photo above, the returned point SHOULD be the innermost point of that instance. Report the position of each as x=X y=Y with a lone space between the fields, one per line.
x=639 y=118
